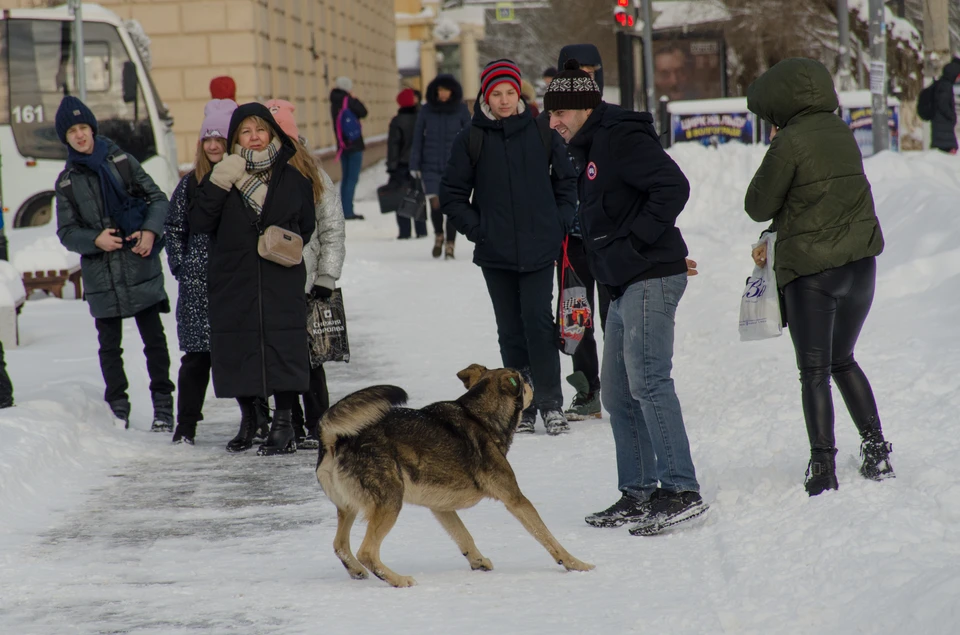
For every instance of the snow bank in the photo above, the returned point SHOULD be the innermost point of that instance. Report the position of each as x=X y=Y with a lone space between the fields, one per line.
x=44 y=254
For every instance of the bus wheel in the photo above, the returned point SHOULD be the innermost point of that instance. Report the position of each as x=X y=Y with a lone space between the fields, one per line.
x=35 y=212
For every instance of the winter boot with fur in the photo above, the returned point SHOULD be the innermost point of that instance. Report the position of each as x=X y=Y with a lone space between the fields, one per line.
x=162 y=412
x=437 y=246
x=448 y=250
x=121 y=412
x=554 y=421
x=281 y=439
x=248 y=425
x=875 y=455
x=821 y=472
x=585 y=404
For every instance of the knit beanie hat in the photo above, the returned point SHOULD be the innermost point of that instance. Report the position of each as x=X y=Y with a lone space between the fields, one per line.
x=572 y=89
x=407 y=98
x=282 y=112
x=71 y=112
x=344 y=83
x=223 y=87
x=498 y=72
x=216 y=118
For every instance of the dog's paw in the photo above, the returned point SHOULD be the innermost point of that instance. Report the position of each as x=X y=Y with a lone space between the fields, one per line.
x=483 y=564
x=572 y=564
x=359 y=574
x=403 y=581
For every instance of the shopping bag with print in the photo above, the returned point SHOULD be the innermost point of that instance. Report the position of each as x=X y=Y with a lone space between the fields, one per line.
x=760 y=303
x=327 y=330
x=574 y=315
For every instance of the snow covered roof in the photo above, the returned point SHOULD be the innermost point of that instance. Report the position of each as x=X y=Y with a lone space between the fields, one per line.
x=408 y=55
x=676 y=14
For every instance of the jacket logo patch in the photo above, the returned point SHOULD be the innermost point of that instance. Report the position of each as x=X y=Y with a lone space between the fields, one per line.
x=591 y=170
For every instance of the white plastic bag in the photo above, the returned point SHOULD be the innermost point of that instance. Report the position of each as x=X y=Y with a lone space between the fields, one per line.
x=760 y=304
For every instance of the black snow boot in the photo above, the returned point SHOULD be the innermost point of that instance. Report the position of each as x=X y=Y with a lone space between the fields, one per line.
x=821 y=472
x=162 y=412
x=248 y=425
x=121 y=411
x=312 y=440
x=281 y=439
x=297 y=421
x=185 y=432
x=875 y=455
x=528 y=421
x=626 y=510
x=262 y=429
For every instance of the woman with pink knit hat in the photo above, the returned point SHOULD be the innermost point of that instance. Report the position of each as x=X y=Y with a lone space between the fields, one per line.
x=187 y=254
x=323 y=256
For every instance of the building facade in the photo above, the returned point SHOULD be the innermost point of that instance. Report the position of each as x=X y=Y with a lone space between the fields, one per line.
x=285 y=49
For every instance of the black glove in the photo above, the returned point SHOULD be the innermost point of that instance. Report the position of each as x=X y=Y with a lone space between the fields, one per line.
x=320 y=293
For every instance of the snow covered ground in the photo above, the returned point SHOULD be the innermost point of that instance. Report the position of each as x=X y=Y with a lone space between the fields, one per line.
x=111 y=531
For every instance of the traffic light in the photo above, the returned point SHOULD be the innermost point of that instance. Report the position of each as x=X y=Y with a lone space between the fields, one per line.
x=625 y=14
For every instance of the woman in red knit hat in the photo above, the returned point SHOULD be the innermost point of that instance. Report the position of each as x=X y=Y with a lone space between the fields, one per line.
x=399 y=143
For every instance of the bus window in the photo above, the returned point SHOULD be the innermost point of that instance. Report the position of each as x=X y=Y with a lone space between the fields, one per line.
x=41 y=73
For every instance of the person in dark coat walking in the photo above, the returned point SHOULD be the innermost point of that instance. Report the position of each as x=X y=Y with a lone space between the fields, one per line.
x=811 y=184
x=350 y=152
x=258 y=311
x=631 y=193
x=114 y=226
x=944 y=123
x=399 y=146
x=516 y=204
x=440 y=120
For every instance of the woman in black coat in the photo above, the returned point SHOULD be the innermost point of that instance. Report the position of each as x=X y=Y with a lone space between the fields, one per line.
x=399 y=143
x=258 y=312
x=515 y=201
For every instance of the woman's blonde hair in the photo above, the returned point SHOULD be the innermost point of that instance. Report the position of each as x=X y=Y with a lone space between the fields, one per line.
x=304 y=162
x=202 y=165
x=259 y=121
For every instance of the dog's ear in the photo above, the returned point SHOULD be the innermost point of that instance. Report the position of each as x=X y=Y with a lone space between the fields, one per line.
x=471 y=375
x=511 y=384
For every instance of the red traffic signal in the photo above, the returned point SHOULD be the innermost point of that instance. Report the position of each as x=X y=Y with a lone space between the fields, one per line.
x=623 y=18
x=623 y=3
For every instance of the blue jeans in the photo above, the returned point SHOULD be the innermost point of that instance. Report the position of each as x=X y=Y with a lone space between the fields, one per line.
x=350 y=165
x=638 y=392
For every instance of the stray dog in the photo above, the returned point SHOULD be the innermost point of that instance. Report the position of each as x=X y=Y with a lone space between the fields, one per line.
x=375 y=456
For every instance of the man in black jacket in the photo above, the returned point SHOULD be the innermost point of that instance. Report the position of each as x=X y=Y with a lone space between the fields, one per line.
x=944 y=123
x=631 y=193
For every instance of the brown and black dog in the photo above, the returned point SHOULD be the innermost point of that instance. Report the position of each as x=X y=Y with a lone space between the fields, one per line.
x=375 y=456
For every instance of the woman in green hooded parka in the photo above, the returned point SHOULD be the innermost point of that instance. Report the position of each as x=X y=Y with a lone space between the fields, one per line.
x=811 y=185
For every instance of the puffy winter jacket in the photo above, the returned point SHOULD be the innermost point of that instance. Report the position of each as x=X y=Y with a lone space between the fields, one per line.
x=323 y=254
x=118 y=283
x=437 y=126
x=811 y=183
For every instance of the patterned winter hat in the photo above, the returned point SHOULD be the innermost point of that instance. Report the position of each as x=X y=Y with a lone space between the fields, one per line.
x=216 y=118
x=497 y=72
x=282 y=112
x=572 y=89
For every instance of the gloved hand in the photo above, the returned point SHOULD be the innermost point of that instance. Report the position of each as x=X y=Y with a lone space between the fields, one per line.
x=231 y=169
x=320 y=293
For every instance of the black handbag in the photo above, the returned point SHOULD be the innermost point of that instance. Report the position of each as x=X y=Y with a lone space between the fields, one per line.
x=414 y=202
x=391 y=194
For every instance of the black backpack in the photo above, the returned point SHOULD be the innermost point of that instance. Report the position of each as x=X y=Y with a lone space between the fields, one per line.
x=926 y=107
x=546 y=134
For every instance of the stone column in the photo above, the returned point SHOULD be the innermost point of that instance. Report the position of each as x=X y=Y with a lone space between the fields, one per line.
x=428 y=64
x=469 y=66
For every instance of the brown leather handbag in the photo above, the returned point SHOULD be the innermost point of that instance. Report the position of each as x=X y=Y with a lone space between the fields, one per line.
x=281 y=246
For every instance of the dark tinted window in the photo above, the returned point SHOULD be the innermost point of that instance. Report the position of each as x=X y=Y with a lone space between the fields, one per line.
x=41 y=73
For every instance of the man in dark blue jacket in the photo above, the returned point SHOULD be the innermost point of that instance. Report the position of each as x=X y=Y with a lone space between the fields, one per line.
x=515 y=202
x=631 y=193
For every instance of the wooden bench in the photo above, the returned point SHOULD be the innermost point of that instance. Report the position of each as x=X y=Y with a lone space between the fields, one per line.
x=52 y=281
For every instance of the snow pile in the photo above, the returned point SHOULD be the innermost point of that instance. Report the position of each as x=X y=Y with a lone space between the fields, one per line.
x=12 y=291
x=45 y=254
x=112 y=530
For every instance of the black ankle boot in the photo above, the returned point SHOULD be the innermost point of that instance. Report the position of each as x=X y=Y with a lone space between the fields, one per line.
x=875 y=454
x=821 y=472
x=281 y=439
x=162 y=412
x=248 y=426
x=185 y=432
x=262 y=428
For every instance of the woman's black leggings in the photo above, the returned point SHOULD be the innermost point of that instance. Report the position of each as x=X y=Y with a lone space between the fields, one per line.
x=825 y=313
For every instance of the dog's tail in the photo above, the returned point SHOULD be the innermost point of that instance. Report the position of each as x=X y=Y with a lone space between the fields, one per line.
x=358 y=410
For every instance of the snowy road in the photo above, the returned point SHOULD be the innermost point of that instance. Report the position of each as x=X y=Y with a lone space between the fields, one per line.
x=106 y=531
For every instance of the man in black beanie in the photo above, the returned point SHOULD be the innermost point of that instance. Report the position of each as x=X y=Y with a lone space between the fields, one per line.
x=631 y=193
